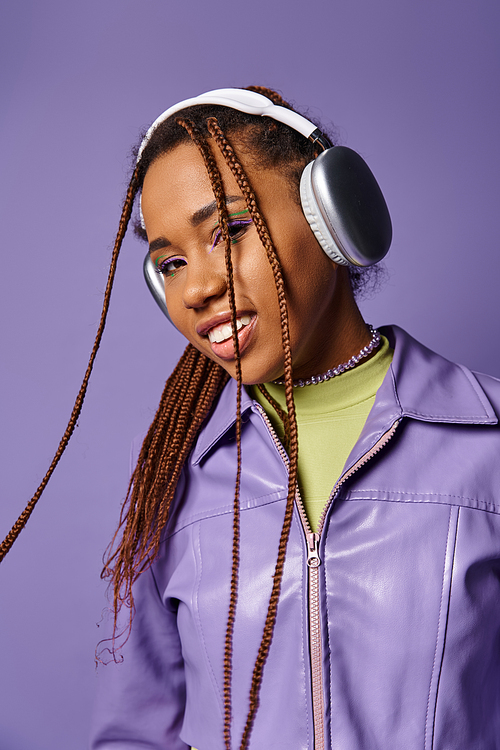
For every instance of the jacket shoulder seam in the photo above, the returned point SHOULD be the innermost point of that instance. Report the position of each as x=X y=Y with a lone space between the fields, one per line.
x=438 y=498
x=223 y=510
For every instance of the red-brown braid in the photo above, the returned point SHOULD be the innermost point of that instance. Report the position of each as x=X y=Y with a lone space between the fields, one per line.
x=77 y=408
x=217 y=187
x=186 y=401
x=244 y=185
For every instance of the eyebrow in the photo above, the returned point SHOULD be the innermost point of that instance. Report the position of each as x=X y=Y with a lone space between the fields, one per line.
x=158 y=244
x=199 y=216
x=205 y=212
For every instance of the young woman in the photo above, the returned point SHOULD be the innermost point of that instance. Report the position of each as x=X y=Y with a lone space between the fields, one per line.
x=309 y=553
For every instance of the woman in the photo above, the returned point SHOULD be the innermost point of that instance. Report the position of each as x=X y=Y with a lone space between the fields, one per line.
x=357 y=605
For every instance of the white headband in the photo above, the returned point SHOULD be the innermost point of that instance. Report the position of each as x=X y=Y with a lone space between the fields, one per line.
x=245 y=101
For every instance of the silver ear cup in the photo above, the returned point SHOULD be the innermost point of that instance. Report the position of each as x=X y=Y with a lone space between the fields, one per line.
x=345 y=208
x=155 y=284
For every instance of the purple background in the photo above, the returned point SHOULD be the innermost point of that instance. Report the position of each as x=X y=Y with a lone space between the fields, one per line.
x=411 y=85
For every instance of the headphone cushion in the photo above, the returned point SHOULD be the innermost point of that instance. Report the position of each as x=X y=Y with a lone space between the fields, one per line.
x=344 y=205
x=316 y=222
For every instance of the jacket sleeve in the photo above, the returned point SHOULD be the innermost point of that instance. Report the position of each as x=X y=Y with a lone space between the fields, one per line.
x=140 y=701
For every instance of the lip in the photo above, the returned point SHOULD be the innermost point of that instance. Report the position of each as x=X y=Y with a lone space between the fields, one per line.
x=225 y=349
x=216 y=320
x=224 y=317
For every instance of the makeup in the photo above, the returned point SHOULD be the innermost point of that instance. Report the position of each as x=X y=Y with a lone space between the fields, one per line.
x=236 y=224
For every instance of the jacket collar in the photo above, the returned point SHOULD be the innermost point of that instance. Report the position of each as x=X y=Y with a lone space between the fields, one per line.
x=419 y=384
x=429 y=387
x=221 y=420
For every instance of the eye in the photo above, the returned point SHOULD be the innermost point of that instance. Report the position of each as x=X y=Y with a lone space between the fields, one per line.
x=237 y=228
x=166 y=266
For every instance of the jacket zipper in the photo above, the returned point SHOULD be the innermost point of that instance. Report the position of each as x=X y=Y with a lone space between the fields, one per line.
x=313 y=563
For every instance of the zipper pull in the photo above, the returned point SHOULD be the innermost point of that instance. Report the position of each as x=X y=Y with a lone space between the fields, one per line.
x=313 y=559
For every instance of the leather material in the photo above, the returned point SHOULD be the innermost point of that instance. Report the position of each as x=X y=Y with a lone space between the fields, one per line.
x=409 y=584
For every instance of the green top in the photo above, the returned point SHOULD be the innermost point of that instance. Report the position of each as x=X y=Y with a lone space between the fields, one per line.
x=330 y=417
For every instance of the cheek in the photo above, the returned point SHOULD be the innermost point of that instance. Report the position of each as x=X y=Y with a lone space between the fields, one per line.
x=309 y=274
x=176 y=308
x=254 y=277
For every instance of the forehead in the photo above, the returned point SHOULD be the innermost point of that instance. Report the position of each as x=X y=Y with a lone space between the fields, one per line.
x=178 y=182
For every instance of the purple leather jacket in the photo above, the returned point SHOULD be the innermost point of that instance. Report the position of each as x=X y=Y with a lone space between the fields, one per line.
x=388 y=640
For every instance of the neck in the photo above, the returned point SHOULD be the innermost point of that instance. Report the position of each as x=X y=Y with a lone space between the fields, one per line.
x=364 y=353
x=347 y=333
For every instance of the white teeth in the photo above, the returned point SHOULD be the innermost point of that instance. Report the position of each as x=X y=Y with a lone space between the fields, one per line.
x=222 y=332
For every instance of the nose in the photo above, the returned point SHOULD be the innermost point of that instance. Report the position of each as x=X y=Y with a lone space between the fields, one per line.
x=205 y=280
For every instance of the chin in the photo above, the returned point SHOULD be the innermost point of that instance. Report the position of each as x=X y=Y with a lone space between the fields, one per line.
x=262 y=376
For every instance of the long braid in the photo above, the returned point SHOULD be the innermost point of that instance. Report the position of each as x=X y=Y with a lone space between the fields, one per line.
x=218 y=190
x=188 y=397
x=282 y=414
x=245 y=187
x=135 y=523
x=77 y=408
x=194 y=385
x=243 y=182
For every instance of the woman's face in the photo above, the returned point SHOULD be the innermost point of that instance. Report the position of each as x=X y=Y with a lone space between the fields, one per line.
x=182 y=226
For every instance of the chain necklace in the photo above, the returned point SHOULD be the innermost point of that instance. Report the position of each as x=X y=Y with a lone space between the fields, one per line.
x=329 y=374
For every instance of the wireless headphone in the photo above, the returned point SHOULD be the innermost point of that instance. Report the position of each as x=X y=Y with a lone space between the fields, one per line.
x=340 y=197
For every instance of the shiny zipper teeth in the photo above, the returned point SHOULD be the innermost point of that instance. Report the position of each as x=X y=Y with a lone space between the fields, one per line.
x=313 y=564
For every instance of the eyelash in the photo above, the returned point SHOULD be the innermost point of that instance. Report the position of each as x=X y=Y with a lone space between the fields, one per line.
x=238 y=225
x=163 y=268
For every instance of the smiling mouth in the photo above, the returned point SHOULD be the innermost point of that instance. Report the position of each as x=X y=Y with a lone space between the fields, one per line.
x=223 y=332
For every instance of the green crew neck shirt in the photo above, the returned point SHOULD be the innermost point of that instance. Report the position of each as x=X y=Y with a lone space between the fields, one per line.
x=330 y=417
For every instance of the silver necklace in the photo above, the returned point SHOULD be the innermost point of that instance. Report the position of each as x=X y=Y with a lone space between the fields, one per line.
x=329 y=374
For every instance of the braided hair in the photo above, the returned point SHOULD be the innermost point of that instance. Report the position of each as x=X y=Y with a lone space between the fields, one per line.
x=197 y=381
x=193 y=387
